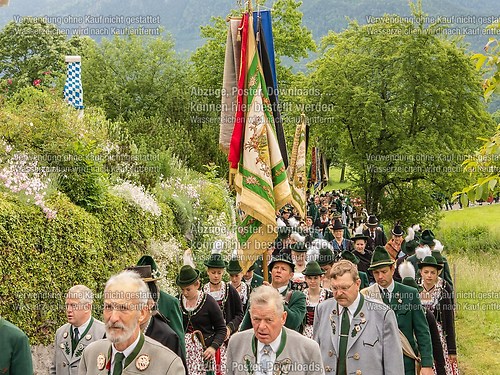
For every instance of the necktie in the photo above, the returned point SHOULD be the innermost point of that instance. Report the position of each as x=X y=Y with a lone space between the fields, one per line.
x=266 y=363
x=344 y=335
x=118 y=367
x=76 y=338
x=76 y=335
x=385 y=296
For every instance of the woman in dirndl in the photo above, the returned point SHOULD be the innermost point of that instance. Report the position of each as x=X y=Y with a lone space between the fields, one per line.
x=436 y=297
x=227 y=299
x=314 y=293
x=203 y=323
x=236 y=276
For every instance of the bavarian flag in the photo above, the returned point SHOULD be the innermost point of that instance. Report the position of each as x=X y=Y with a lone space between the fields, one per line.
x=261 y=181
x=297 y=168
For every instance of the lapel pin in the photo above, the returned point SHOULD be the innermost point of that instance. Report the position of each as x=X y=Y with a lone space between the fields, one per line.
x=88 y=337
x=142 y=363
x=101 y=362
x=65 y=335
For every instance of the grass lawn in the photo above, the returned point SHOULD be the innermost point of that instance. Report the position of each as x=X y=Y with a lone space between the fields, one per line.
x=334 y=181
x=477 y=284
x=485 y=215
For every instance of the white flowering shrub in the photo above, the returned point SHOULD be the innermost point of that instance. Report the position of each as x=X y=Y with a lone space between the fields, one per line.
x=24 y=177
x=136 y=195
x=168 y=257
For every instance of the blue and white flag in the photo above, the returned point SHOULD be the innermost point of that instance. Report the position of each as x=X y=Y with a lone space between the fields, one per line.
x=73 y=90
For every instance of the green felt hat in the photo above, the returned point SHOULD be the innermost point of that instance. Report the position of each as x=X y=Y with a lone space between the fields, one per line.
x=144 y=272
x=147 y=260
x=187 y=276
x=410 y=281
x=215 y=261
x=299 y=247
x=347 y=255
x=233 y=267
x=429 y=261
x=409 y=247
x=427 y=238
x=313 y=269
x=380 y=258
x=439 y=257
x=325 y=256
x=282 y=257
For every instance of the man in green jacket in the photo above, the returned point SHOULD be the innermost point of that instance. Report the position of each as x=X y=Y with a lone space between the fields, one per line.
x=282 y=269
x=166 y=304
x=405 y=302
x=15 y=352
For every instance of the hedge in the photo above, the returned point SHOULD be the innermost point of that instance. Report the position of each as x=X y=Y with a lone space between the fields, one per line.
x=41 y=259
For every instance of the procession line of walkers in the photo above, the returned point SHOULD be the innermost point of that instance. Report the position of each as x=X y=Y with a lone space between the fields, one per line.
x=362 y=305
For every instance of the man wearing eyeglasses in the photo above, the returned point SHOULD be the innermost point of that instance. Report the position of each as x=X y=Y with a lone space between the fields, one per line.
x=79 y=332
x=356 y=335
x=126 y=350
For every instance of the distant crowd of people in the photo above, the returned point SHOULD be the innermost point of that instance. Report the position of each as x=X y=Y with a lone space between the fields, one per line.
x=336 y=298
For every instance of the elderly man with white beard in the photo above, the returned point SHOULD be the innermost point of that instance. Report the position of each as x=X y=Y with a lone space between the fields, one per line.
x=126 y=350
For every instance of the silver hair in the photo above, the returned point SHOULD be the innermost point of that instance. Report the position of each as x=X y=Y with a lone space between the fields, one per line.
x=140 y=291
x=266 y=295
x=81 y=292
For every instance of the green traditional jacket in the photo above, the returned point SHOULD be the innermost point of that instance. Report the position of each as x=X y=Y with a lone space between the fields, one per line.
x=405 y=303
x=169 y=307
x=365 y=283
x=15 y=352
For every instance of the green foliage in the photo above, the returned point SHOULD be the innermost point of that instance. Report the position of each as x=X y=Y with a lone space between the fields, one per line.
x=485 y=161
x=31 y=53
x=127 y=75
x=41 y=259
x=80 y=175
x=403 y=106
x=68 y=147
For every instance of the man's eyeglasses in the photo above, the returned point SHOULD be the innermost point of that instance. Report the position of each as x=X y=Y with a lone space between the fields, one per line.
x=342 y=288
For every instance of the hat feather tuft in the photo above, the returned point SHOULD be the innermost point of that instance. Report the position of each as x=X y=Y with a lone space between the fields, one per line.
x=297 y=237
x=422 y=251
x=406 y=269
x=411 y=235
x=438 y=246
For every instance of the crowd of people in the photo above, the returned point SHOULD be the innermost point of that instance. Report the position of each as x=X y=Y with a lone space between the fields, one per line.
x=337 y=298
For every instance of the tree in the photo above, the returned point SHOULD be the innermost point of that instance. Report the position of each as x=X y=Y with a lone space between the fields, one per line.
x=404 y=106
x=486 y=161
x=135 y=73
x=31 y=52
